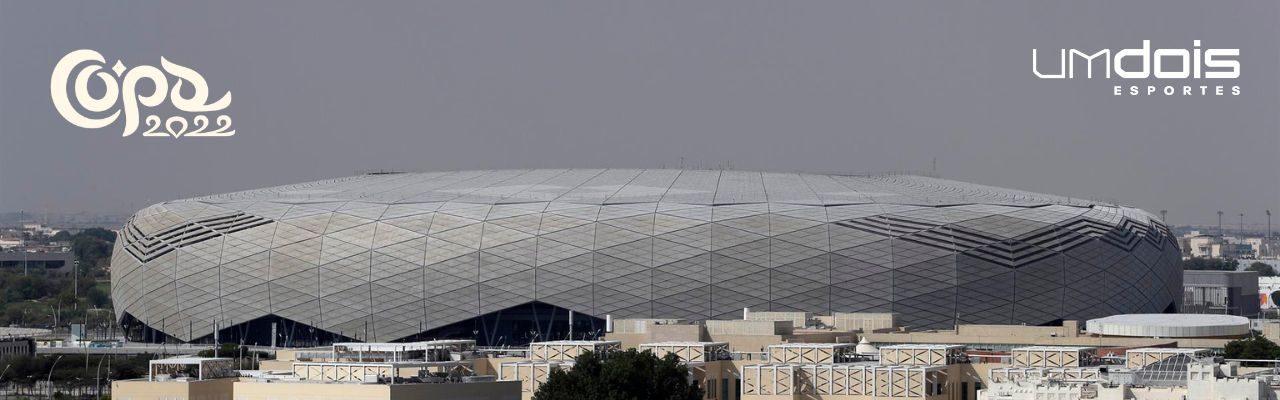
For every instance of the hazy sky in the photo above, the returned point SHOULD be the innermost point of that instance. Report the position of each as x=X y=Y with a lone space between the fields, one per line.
x=323 y=89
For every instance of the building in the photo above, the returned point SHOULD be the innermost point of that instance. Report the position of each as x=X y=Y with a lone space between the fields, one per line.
x=16 y=346
x=747 y=335
x=1108 y=333
x=505 y=256
x=1196 y=244
x=10 y=242
x=434 y=370
x=1269 y=289
x=1220 y=292
x=53 y=262
x=1162 y=375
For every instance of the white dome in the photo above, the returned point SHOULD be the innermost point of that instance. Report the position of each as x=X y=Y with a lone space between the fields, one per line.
x=865 y=348
x=1169 y=325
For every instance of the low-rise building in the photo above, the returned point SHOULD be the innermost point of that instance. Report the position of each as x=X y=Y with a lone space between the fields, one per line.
x=16 y=346
x=1002 y=338
x=374 y=371
x=750 y=335
x=1186 y=375
x=1220 y=292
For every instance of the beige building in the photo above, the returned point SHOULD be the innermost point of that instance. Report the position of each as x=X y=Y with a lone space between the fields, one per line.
x=1004 y=337
x=418 y=370
x=833 y=372
x=742 y=336
x=765 y=356
x=1194 y=378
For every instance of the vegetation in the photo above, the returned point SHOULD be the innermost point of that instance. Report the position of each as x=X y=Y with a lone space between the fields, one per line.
x=38 y=299
x=71 y=368
x=621 y=376
x=1263 y=269
x=1255 y=347
x=1210 y=264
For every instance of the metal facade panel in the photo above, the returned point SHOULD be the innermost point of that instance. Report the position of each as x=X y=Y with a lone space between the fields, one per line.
x=405 y=252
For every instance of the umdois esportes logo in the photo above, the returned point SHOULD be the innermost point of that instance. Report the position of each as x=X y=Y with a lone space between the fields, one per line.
x=1167 y=71
x=131 y=92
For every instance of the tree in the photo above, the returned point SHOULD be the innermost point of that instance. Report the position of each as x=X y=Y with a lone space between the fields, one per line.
x=627 y=375
x=1255 y=347
x=93 y=248
x=98 y=296
x=1212 y=264
x=1263 y=269
x=61 y=236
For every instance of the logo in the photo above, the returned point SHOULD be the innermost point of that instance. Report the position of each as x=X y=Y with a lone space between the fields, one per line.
x=126 y=92
x=1193 y=64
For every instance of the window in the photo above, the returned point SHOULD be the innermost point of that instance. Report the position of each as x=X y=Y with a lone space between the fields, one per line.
x=724 y=388
x=964 y=390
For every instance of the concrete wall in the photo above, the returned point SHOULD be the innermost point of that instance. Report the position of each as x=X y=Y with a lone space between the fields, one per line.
x=212 y=389
x=422 y=391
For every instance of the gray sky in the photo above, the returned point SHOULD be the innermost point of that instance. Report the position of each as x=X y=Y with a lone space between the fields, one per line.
x=322 y=89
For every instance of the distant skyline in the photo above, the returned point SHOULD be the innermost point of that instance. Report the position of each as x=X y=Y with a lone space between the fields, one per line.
x=324 y=89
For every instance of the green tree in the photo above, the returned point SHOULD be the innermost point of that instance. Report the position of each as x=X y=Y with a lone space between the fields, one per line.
x=1255 y=347
x=1212 y=264
x=92 y=248
x=99 y=296
x=61 y=236
x=627 y=375
x=1263 y=269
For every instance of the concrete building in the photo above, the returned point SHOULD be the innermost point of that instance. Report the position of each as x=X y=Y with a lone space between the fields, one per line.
x=1170 y=326
x=1264 y=247
x=12 y=347
x=1185 y=375
x=366 y=371
x=10 y=242
x=1269 y=289
x=744 y=336
x=1220 y=292
x=1195 y=244
x=405 y=256
x=1116 y=332
x=41 y=262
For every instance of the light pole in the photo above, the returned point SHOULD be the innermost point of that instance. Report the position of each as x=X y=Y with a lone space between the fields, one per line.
x=49 y=379
x=1268 y=224
x=1241 y=233
x=97 y=379
x=1220 y=224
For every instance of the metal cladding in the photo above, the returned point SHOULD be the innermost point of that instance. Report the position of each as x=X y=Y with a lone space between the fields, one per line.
x=398 y=254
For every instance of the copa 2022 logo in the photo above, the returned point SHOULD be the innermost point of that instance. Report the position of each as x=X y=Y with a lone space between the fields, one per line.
x=125 y=93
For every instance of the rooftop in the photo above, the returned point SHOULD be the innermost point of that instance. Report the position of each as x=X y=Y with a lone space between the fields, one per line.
x=922 y=346
x=1169 y=325
x=1053 y=348
x=187 y=360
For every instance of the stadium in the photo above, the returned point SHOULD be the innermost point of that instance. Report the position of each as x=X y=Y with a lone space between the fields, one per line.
x=506 y=256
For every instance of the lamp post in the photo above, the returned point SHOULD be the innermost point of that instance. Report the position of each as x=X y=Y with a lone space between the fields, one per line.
x=49 y=379
x=1268 y=224
x=1220 y=224
x=97 y=379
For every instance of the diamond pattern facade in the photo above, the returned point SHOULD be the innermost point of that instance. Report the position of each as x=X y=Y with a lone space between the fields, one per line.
x=398 y=254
